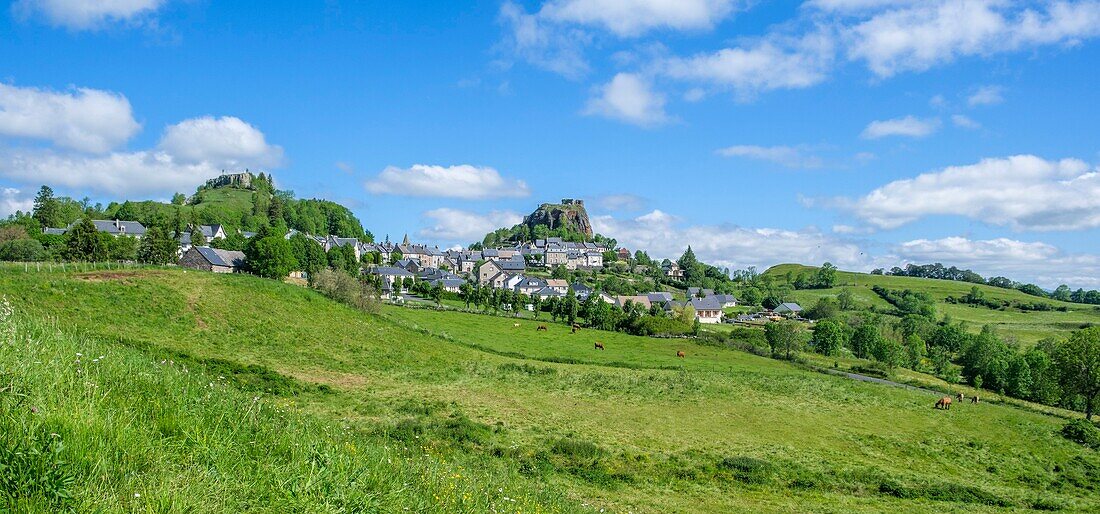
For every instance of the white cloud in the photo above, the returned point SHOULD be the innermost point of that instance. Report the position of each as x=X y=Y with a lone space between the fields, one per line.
x=1035 y=262
x=462 y=181
x=552 y=48
x=907 y=126
x=119 y=173
x=788 y=156
x=926 y=34
x=665 y=236
x=630 y=98
x=1024 y=192
x=454 y=225
x=86 y=14
x=621 y=202
x=965 y=122
x=772 y=63
x=854 y=6
x=227 y=141
x=628 y=18
x=986 y=95
x=12 y=200
x=82 y=119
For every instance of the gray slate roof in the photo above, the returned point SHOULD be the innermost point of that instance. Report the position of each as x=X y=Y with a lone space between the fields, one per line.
x=219 y=257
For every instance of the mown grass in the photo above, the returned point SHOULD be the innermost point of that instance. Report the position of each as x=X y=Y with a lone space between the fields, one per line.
x=1027 y=327
x=631 y=428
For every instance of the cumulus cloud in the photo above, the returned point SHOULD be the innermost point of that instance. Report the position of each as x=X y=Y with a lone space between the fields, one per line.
x=628 y=18
x=629 y=98
x=455 y=225
x=86 y=14
x=986 y=95
x=88 y=120
x=965 y=122
x=1036 y=262
x=666 y=236
x=907 y=126
x=462 y=181
x=919 y=36
x=775 y=62
x=227 y=141
x=552 y=48
x=787 y=156
x=1024 y=192
x=12 y=200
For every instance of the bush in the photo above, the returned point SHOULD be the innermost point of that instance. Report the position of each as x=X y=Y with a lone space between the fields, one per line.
x=1082 y=432
x=346 y=289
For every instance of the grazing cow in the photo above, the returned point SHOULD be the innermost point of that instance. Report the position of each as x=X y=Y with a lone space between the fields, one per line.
x=515 y=325
x=974 y=399
x=599 y=345
x=681 y=354
x=541 y=328
x=944 y=403
x=576 y=327
x=960 y=398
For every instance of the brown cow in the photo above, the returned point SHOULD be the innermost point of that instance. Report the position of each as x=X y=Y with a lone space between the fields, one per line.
x=681 y=354
x=576 y=327
x=599 y=345
x=960 y=397
x=944 y=403
x=541 y=328
x=974 y=399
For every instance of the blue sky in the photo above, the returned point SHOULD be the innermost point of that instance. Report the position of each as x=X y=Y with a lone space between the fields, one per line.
x=864 y=132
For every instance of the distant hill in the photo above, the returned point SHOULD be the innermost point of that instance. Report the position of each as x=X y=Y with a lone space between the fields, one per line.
x=1026 y=326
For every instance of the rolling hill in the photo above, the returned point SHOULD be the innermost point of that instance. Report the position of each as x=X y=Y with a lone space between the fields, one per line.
x=228 y=392
x=1027 y=327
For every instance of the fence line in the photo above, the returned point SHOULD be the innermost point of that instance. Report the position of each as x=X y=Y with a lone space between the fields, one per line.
x=76 y=267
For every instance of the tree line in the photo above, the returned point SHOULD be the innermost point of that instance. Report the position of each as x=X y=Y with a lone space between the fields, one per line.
x=939 y=271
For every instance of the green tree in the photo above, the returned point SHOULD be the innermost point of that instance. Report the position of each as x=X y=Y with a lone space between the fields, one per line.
x=915 y=351
x=270 y=257
x=1077 y=360
x=866 y=338
x=197 y=237
x=122 y=248
x=830 y=336
x=308 y=254
x=22 y=250
x=784 y=337
x=82 y=242
x=179 y=199
x=157 y=247
x=47 y=209
x=571 y=306
x=846 y=300
x=825 y=277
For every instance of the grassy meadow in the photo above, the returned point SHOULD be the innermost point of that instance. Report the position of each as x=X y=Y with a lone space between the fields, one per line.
x=232 y=393
x=1027 y=327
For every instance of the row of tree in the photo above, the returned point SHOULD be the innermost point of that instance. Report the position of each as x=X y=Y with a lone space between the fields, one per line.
x=939 y=271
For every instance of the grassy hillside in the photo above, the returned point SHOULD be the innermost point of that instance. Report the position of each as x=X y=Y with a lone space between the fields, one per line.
x=1027 y=327
x=629 y=429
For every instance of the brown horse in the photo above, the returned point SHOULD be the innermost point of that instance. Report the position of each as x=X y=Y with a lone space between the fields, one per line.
x=681 y=354
x=974 y=399
x=960 y=397
x=599 y=345
x=944 y=403
x=541 y=328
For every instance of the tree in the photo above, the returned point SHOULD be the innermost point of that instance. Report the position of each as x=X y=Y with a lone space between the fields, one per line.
x=915 y=351
x=197 y=237
x=783 y=337
x=270 y=257
x=179 y=199
x=308 y=254
x=22 y=250
x=825 y=277
x=846 y=300
x=47 y=209
x=436 y=294
x=1077 y=361
x=157 y=247
x=82 y=242
x=830 y=336
x=571 y=306
x=866 y=338
x=824 y=308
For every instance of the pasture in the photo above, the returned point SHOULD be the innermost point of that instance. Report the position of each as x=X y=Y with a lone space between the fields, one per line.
x=628 y=429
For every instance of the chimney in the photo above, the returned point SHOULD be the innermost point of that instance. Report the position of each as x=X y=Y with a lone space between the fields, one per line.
x=118 y=226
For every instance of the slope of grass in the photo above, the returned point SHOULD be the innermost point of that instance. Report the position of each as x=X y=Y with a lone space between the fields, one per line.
x=1027 y=327
x=631 y=428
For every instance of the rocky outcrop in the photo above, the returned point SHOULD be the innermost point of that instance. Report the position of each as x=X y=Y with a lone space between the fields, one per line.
x=241 y=180
x=568 y=214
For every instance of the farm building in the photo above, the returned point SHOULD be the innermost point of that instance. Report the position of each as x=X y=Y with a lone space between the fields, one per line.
x=212 y=259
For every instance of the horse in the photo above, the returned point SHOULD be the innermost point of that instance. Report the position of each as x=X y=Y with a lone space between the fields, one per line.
x=960 y=397
x=681 y=354
x=541 y=328
x=974 y=399
x=944 y=403
x=599 y=345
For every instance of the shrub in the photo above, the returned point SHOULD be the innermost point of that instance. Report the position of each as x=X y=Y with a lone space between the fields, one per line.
x=1082 y=432
x=346 y=289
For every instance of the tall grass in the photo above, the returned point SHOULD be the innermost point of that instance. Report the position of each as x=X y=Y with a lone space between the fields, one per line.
x=90 y=426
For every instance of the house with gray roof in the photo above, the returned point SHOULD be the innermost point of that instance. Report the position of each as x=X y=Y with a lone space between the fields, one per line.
x=389 y=275
x=707 y=310
x=215 y=260
x=789 y=309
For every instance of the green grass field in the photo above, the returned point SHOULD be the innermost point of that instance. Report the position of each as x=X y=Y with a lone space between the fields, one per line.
x=539 y=416
x=1027 y=327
